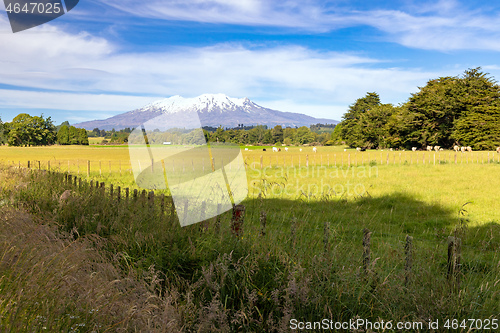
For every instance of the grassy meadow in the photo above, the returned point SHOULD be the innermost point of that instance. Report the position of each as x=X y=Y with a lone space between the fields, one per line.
x=126 y=266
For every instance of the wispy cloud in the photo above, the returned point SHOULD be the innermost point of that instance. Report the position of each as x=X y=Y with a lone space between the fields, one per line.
x=98 y=79
x=443 y=25
x=71 y=101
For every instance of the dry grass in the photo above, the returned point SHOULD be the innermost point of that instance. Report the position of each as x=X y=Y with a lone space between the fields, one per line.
x=52 y=283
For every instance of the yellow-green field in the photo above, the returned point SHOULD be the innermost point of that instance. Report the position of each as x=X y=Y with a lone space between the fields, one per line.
x=96 y=141
x=445 y=178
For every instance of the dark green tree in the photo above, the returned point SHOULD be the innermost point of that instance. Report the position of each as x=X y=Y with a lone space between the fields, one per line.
x=304 y=135
x=479 y=127
x=63 y=135
x=351 y=131
x=438 y=107
x=277 y=134
x=289 y=135
x=373 y=131
x=73 y=136
x=336 y=136
x=219 y=135
x=83 y=137
x=268 y=137
x=62 y=124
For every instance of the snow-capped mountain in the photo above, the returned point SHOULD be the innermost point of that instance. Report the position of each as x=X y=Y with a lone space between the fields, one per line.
x=212 y=109
x=204 y=103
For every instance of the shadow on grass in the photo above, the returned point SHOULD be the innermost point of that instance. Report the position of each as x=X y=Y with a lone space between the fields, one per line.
x=291 y=269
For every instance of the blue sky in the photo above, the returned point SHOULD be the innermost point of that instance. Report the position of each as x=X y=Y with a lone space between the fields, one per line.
x=312 y=56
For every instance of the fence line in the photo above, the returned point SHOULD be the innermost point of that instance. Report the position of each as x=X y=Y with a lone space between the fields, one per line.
x=158 y=203
x=281 y=159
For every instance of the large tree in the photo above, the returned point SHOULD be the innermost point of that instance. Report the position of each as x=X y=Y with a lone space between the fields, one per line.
x=277 y=133
x=351 y=130
x=479 y=127
x=442 y=104
x=25 y=130
x=63 y=135
x=74 y=136
x=372 y=126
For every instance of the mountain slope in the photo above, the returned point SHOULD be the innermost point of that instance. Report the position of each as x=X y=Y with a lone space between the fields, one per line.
x=213 y=110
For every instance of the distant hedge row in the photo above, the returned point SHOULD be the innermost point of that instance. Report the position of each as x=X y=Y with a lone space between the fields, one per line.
x=70 y=135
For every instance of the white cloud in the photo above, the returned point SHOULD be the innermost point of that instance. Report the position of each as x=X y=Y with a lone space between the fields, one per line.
x=86 y=72
x=292 y=72
x=443 y=25
x=462 y=30
x=71 y=101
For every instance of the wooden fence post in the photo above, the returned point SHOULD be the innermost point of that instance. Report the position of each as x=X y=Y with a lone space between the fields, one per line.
x=237 y=220
x=261 y=161
x=263 y=220
x=217 y=219
x=111 y=190
x=135 y=195
x=127 y=191
x=326 y=237
x=454 y=259
x=366 y=249
x=205 y=223
x=186 y=208
x=151 y=199
x=118 y=193
x=409 y=258
x=162 y=204
x=293 y=232
x=172 y=208
x=88 y=168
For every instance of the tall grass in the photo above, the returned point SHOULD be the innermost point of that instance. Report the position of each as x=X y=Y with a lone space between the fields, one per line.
x=211 y=281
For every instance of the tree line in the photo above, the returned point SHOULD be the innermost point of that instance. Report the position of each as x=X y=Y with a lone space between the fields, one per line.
x=460 y=110
x=257 y=135
x=26 y=131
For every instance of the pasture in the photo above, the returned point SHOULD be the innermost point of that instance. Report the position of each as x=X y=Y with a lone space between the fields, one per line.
x=306 y=261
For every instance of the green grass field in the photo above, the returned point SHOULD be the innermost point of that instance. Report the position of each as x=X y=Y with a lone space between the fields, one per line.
x=308 y=264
